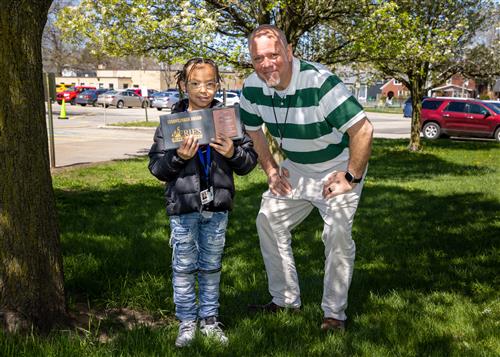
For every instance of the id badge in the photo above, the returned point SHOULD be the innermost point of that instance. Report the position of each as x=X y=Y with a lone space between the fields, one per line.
x=207 y=196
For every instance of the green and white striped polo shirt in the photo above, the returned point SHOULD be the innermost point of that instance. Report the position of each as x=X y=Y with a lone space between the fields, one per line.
x=320 y=110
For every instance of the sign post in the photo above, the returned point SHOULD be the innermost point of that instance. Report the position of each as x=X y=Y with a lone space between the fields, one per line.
x=50 y=94
x=144 y=94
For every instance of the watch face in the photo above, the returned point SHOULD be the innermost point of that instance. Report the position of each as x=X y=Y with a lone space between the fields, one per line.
x=349 y=177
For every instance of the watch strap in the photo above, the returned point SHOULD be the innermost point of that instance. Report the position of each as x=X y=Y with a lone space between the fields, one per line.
x=351 y=179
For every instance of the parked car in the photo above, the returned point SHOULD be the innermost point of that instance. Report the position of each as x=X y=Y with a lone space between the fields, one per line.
x=121 y=99
x=61 y=87
x=166 y=100
x=89 y=96
x=237 y=91
x=496 y=103
x=151 y=95
x=138 y=91
x=408 y=107
x=105 y=99
x=459 y=117
x=128 y=99
x=231 y=97
x=69 y=95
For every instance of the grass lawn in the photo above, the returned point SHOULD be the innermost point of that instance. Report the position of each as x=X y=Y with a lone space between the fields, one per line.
x=426 y=281
x=137 y=124
x=389 y=110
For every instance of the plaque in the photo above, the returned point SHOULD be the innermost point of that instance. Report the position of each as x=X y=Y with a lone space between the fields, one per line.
x=225 y=122
x=204 y=125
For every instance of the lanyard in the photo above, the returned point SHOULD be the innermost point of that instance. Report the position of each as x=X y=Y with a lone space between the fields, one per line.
x=281 y=133
x=205 y=163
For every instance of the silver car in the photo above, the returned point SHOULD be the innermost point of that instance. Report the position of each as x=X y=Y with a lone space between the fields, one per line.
x=105 y=99
x=129 y=99
x=166 y=100
x=122 y=99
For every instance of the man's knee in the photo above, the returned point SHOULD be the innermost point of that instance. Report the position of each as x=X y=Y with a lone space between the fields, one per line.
x=338 y=239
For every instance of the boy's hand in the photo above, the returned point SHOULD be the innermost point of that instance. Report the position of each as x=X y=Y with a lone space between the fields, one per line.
x=223 y=145
x=188 y=148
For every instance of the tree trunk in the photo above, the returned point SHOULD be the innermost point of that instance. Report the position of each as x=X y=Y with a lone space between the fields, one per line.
x=274 y=147
x=31 y=270
x=417 y=95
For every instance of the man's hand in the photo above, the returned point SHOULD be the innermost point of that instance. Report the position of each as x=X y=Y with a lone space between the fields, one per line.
x=223 y=145
x=336 y=184
x=278 y=184
x=277 y=181
x=188 y=148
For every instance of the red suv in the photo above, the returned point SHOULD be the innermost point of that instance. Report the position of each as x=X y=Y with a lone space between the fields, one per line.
x=459 y=117
x=70 y=94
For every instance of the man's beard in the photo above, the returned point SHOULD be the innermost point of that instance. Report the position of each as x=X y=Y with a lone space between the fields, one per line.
x=273 y=81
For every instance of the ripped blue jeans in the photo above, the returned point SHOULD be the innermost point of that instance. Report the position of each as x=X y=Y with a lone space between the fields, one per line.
x=197 y=240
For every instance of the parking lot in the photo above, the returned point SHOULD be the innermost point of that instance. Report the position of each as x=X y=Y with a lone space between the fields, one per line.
x=86 y=136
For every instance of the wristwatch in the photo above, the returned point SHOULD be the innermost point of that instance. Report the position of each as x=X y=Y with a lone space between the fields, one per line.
x=351 y=179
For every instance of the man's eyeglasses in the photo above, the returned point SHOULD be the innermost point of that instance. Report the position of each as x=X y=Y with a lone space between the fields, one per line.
x=197 y=86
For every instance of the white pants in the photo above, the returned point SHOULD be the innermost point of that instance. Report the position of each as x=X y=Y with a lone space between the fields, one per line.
x=279 y=215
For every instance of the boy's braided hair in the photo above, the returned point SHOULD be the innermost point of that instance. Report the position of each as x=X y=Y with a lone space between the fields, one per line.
x=183 y=74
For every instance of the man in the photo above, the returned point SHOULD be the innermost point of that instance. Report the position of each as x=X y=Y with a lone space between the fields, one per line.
x=327 y=138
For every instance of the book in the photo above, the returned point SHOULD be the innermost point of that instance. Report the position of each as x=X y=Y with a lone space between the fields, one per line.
x=203 y=124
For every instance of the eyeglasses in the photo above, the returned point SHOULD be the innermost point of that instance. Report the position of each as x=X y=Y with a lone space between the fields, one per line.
x=197 y=86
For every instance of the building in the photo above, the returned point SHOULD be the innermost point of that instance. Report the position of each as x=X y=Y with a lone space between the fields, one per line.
x=496 y=88
x=373 y=91
x=150 y=79
x=456 y=86
x=357 y=85
x=394 y=88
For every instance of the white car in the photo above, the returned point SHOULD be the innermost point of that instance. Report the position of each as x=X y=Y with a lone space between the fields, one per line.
x=166 y=100
x=231 y=98
x=496 y=103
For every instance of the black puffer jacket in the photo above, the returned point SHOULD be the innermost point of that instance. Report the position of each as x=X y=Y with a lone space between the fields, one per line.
x=183 y=177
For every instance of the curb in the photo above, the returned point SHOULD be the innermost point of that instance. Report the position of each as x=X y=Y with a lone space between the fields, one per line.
x=127 y=127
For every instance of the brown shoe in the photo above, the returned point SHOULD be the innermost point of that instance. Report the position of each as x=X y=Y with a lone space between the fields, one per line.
x=271 y=308
x=331 y=324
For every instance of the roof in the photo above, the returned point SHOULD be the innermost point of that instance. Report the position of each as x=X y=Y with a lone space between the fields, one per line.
x=392 y=80
x=452 y=86
x=454 y=98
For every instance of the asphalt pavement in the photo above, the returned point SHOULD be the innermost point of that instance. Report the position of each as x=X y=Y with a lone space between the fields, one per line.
x=86 y=137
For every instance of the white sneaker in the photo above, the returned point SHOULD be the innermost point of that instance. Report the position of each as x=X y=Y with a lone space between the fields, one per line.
x=187 y=330
x=210 y=327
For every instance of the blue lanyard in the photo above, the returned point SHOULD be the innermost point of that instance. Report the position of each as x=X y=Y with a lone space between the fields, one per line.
x=205 y=163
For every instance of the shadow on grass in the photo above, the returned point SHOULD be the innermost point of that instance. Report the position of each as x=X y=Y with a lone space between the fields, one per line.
x=410 y=243
x=430 y=242
x=112 y=237
x=116 y=252
x=405 y=239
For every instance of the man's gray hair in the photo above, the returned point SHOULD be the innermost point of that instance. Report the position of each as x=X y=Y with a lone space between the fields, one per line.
x=268 y=31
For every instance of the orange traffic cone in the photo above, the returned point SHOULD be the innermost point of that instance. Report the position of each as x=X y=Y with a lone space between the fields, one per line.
x=62 y=114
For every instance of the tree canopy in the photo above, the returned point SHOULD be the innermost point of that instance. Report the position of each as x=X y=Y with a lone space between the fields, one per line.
x=165 y=29
x=172 y=30
x=420 y=43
